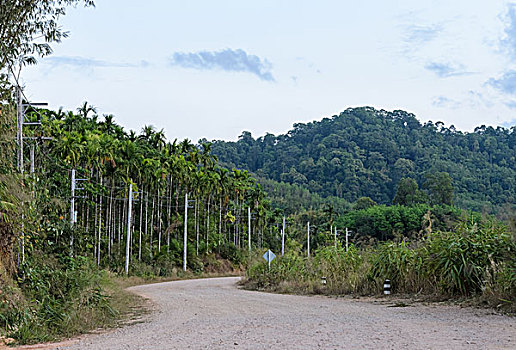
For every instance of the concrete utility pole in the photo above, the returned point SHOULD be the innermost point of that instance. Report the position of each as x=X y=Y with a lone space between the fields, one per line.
x=100 y=227
x=249 y=228
x=72 y=200
x=335 y=238
x=128 y=243
x=186 y=232
x=308 y=239
x=32 y=159
x=72 y=211
x=283 y=238
x=20 y=128
x=140 y=235
x=19 y=140
x=347 y=235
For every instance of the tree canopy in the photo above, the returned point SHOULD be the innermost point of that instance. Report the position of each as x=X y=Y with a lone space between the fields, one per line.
x=364 y=152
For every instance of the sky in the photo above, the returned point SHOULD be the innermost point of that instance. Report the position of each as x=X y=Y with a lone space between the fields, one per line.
x=212 y=69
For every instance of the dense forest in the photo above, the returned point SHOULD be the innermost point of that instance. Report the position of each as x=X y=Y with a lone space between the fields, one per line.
x=364 y=152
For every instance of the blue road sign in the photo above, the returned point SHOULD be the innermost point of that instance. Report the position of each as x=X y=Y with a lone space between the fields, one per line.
x=269 y=256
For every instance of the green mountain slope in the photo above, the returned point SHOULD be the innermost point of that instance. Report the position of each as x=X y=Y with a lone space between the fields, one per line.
x=365 y=152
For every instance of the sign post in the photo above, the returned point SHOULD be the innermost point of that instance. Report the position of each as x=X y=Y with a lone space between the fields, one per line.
x=269 y=256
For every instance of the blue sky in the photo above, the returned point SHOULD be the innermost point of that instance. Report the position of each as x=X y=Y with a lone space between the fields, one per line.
x=211 y=69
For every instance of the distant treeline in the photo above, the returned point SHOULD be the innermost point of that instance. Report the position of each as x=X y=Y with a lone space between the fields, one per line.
x=364 y=152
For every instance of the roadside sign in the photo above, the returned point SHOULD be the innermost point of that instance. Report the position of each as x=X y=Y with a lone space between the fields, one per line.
x=269 y=256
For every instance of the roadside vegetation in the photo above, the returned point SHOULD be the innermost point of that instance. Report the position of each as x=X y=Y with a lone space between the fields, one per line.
x=475 y=260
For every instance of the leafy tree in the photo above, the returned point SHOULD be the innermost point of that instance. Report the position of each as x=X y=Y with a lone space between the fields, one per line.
x=24 y=23
x=364 y=203
x=385 y=222
x=440 y=188
x=408 y=193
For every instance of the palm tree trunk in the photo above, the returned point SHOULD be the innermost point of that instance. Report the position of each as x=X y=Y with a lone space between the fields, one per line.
x=178 y=190
x=169 y=213
x=227 y=235
x=220 y=222
x=140 y=229
x=87 y=219
x=110 y=218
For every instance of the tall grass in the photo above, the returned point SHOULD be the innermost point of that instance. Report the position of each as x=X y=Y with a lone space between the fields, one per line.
x=55 y=298
x=475 y=260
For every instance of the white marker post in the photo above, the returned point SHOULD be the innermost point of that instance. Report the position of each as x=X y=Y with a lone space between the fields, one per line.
x=387 y=287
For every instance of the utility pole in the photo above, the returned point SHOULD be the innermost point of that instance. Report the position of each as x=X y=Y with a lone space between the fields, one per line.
x=19 y=140
x=100 y=227
x=335 y=238
x=72 y=202
x=32 y=159
x=283 y=238
x=20 y=117
x=249 y=228
x=185 y=233
x=72 y=211
x=308 y=239
x=20 y=122
x=140 y=236
x=347 y=235
x=20 y=129
x=129 y=213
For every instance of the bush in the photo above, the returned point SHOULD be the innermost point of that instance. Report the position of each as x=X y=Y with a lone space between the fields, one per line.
x=230 y=251
x=464 y=261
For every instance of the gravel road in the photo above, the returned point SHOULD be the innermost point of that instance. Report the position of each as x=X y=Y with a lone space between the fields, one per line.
x=215 y=314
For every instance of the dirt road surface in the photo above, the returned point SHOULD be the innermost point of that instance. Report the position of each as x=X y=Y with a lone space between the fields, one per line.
x=215 y=314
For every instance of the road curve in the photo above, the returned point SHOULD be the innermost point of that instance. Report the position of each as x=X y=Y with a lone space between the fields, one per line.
x=215 y=314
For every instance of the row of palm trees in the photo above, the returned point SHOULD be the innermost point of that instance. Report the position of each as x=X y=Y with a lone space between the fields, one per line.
x=108 y=159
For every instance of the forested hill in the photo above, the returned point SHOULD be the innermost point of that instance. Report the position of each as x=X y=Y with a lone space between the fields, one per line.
x=365 y=152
